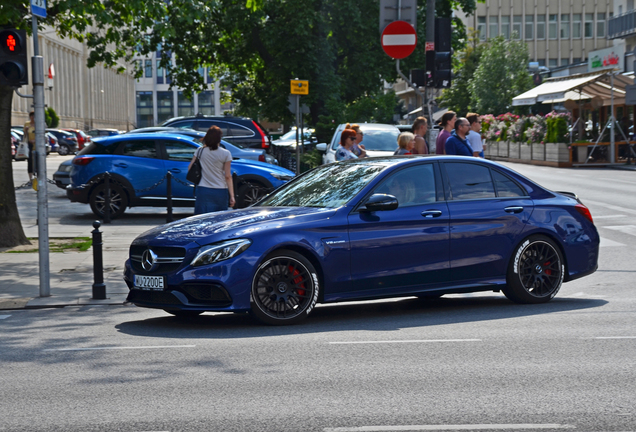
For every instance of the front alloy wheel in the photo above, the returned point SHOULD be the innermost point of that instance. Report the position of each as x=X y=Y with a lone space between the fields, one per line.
x=285 y=289
x=536 y=272
x=118 y=200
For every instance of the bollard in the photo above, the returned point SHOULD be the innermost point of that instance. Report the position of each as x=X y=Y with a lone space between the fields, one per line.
x=107 y=198
x=99 y=287
x=169 y=196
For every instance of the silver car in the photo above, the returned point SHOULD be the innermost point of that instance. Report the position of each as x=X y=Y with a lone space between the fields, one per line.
x=379 y=140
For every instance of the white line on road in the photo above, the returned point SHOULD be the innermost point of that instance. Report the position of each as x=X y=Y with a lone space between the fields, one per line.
x=609 y=243
x=610 y=206
x=404 y=341
x=609 y=216
x=625 y=229
x=4 y=316
x=615 y=337
x=633 y=183
x=120 y=348
x=449 y=427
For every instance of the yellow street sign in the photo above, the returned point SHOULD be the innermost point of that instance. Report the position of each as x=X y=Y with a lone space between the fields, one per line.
x=299 y=87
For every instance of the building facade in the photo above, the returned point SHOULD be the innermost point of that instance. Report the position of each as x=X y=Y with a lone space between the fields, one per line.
x=83 y=98
x=623 y=26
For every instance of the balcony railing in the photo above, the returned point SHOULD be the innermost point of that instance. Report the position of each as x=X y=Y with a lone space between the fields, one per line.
x=622 y=25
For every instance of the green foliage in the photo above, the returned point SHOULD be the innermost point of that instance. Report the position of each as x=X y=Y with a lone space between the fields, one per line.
x=557 y=129
x=51 y=118
x=310 y=160
x=501 y=75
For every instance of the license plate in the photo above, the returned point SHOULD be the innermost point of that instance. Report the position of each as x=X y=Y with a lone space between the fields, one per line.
x=149 y=282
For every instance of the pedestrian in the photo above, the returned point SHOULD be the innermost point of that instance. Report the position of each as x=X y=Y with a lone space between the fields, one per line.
x=347 y=140
x=406 y=142
x=420 y=127
x=29 y=137
x=216 y=187
x=474 y=136
x=358 y=148
x=457 y=144
x=448 y=123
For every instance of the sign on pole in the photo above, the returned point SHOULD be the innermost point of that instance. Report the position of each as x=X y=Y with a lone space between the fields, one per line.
x=38 y=8
x=397 y=10
x=612 y=58
x=399 y=39
x=299 y=87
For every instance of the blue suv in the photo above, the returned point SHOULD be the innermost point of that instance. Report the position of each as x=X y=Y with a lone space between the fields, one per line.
x=138 y=165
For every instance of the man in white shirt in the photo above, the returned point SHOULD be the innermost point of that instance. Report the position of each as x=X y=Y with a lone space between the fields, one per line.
x=474 y=136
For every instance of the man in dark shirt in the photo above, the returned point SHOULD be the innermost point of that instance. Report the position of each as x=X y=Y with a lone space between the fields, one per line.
x=457 y=144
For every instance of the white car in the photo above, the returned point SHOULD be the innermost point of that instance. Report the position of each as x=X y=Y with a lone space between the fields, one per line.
x=379 y=140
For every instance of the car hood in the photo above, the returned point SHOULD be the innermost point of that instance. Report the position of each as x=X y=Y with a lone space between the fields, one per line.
x=379 y=153
x=264 y=165
x=211 y=227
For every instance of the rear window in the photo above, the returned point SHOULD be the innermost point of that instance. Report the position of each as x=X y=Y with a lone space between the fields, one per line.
x=95 y=148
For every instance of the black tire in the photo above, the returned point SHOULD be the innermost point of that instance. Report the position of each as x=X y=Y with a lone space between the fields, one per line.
x=285 y=289
x=248 y=193
x=184 y=314
x=535 y=272
x=63 y=150
x=118 y=200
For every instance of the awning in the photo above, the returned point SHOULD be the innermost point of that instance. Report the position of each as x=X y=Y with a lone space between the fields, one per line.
x=436 y=115
x=576 y=87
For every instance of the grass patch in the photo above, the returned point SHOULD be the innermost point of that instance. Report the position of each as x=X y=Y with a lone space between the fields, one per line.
x=56 y=244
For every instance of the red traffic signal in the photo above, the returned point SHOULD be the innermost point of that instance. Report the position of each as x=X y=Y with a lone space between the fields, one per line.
x=13 y=58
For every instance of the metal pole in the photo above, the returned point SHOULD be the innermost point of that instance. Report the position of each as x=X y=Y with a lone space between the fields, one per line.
x=107 y=198
x=169 y=196
x=430 y=38
x=612 y=119
x=37 y=72
x=297 y=143
x=99 y=287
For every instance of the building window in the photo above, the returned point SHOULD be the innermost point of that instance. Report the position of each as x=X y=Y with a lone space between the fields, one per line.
x=540 y=26
x=576 y=60
x=576 y=26
x=529 y=26
x=185 y=106
x=493 y=30
x=553 y=63
x=159 y=72
x=505 y=27
x=630 y=5
x=552 y=26
x=541 y=62
x=565 y=26
x=517 y=24
x=481 y=27
x=165 y=106
x=589 y=25
x=148 y=68
x=206 y=103
x=145 y=115
x=565 y=62
x=600 y=25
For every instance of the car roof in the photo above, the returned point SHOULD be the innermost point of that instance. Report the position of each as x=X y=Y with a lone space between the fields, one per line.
x=108 y=140
x=371 y=126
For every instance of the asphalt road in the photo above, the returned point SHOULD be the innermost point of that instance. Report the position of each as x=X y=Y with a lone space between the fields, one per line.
x=463 y=362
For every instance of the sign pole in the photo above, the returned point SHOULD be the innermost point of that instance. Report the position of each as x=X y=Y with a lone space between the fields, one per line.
x=297 y=126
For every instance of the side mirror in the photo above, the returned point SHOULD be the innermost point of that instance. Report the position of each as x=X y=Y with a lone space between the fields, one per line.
x=322 y=147
x=379 y=202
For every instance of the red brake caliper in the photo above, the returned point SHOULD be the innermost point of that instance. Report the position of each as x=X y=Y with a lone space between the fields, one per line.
x=548 y=271
x=297 y=280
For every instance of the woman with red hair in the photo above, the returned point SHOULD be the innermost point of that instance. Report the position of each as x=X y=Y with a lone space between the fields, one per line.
x=347 y=140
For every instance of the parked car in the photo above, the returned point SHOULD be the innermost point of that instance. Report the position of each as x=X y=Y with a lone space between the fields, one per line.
x=237 y=150
x=82 y=138
x=379 y=140
x=368 y=229
x=237 y=130
x=15 y=142
x=53 y=142
x=138 y=164
x=102 y=132
x=16 y=138
x=66 y=140
x=62 y=177
x=290 y=137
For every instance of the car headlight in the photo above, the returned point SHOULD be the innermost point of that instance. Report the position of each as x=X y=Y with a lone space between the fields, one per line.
x=281 y=176
x=220 y=251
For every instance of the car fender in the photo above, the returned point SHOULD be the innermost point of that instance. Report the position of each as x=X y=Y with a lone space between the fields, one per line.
x=252 y=178
x=122 y=181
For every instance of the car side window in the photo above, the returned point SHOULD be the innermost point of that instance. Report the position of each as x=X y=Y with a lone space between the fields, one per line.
x=236 y=131
x=141 y=148
x=506 y=187
x=469 y=181
x=411 y=186
x=183 y=124
x=204 y=125
x=178 y=151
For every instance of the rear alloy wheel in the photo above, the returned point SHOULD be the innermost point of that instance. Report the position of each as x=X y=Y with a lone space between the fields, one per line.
x=63 y=150
x=285 y=289
x=249 y=193
x=536 y=272
x=118 y=200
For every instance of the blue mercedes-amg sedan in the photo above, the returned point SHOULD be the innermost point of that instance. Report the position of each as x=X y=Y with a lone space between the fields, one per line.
x=368 y=229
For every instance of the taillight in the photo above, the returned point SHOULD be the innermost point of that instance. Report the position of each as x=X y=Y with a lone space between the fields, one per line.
x=261 y=158
x=264 y=140
x=584 y=211
x=81 y=161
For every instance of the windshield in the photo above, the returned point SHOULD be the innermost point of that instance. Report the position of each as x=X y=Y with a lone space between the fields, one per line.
x=292 y=135
x=329 y=186
x=380 y=139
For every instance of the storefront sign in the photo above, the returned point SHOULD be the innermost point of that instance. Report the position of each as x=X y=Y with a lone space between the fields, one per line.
x=612 y=58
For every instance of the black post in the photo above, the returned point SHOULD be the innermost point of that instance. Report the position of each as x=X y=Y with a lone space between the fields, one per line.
x=107 y=198
x=99 y=287
x=169 y=188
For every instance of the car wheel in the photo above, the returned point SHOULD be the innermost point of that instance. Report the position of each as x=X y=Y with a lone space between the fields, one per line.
x=183 y=313
x=63 y=150
x=536 y=271
x=249 y=193
x=118 y=200
x=285 y=289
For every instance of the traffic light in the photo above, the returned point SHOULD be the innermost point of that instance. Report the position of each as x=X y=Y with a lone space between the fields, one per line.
x=13 y=58
x=442 y=65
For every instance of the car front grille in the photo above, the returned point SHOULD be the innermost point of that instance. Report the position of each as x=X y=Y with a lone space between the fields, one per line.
x=206 y=293
x=168 y=260
x=157 y=297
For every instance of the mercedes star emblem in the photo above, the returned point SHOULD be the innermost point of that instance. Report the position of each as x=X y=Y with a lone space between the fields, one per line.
x=148 y=260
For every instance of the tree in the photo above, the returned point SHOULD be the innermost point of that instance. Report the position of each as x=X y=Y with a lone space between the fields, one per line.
x=501 y=75
x=51 y=118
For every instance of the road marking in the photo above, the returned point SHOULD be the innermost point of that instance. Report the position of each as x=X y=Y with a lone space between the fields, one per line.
x=608 y=243
x=120 y=348
x=625 y=229
x=4 y=316
x=609 y=216
x=615 y=337
x=610 y=206
x=404 y=341
x=449 y=427
x=633 y=183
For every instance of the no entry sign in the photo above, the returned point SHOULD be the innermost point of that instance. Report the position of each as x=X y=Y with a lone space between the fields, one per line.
x=399 y=39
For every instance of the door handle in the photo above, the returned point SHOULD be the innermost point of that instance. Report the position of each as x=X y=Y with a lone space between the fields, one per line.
x=432 y=213
x=174 y=170
x=120 y=165
x=513 y=209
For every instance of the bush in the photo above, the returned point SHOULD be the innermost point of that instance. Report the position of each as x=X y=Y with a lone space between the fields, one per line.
x=51 y=118
x=557 y=127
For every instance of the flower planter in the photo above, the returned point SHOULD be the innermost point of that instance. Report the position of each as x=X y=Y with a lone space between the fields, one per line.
x=538 y=152
x=581 y=153
x=513 y=150
x=503 y=149
x=491 y=148
x=525 y=152
x=557 y=152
